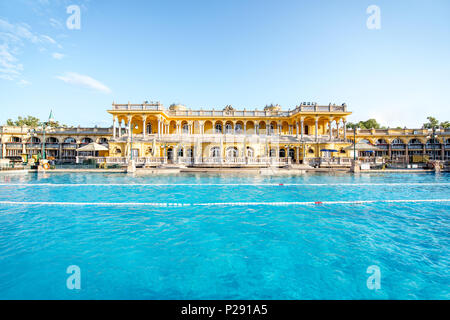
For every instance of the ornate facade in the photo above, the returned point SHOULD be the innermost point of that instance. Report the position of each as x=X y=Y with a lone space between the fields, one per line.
x=149 y=132
x=60 y=143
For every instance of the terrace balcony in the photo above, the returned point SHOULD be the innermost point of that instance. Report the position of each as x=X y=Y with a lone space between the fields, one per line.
x=228 y=137
x=157 y=106
x=415 y=146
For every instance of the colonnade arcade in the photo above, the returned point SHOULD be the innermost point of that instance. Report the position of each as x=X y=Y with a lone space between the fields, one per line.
x=144 y=125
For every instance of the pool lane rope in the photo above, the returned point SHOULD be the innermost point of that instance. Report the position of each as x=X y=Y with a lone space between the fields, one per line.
x=206 y=204
x=55 y=185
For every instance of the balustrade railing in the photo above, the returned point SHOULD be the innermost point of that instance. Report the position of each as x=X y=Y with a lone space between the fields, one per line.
x=234 y=113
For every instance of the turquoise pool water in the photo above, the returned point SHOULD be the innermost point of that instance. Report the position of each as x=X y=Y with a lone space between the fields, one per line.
x=206 y=236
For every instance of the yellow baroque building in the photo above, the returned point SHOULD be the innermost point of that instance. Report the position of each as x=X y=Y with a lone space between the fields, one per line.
x=227 y=137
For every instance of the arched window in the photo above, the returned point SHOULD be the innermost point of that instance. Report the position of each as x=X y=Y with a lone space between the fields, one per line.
x=228 y=128
x=272 y=128
x=189 y=153
x=238 y=128
x=291 y=153
x=232 y=152
x=433 y=141
x=86 y=140
x=149 y=128
x=35 y=140
x=272 y=152
x=16 y=139
x=180 y=152
x=185 y=128
x=70 y=140
x=250 y=152
x=215 y=152
x=397 y=141
x=414 y=141
x=282 y=153
x=381 y=141
x=218 y=128
x=52 y=140
x=117 y=150
x=103 y=140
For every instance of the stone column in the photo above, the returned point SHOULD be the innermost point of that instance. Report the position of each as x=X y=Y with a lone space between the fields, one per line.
x=297 y=156
x=302 y=127
x=331 y=131
x=245 y=127
x=114 y=127
x=407 y=152
x=443 y=150
x=337 y=128
x=129 y=129
x=222 y=152
x=345 y=130
x=278 y=151
x=159 y=128
x=317 y=129
x=120 y=128
x=144 y=129
x=279 y=128
x=296 y=127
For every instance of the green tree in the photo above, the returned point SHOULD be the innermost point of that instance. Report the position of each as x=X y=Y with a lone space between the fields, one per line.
x=368 y=124
x=29 y=121
x=56 y=124
x=32 y=122
x=432 y=122
x=445 y=124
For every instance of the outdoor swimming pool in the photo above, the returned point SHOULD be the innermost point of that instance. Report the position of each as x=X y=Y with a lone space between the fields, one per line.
x=209 y=236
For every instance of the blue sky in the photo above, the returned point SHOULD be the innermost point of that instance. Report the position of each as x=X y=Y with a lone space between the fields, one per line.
x=212 y=53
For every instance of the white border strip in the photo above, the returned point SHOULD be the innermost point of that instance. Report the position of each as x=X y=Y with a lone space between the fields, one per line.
x=165 y=204
x=215 y=184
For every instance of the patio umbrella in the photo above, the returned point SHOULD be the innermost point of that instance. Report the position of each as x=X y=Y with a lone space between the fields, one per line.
x=93 y=147
x=363 y=146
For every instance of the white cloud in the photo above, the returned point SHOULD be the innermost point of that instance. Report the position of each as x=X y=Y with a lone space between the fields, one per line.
x=10 y=68
x=57 y=55
x=23 y=83
x=14 y=38
x=84 y=81
x=56 y=23
x=45 y=37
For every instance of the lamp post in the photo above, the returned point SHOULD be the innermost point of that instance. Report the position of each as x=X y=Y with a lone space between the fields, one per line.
x=44 y=126
x=433 y=138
